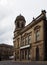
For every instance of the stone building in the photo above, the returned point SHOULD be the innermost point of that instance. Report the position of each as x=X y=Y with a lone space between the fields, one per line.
x=30 y=42
x=6 y=51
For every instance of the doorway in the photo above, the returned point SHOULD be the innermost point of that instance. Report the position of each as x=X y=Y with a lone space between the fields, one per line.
x=0 y=58
x=37 y=54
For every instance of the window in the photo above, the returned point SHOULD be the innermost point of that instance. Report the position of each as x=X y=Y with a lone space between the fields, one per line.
x=29 y=39
x=22 y=25
x=37 y=35
x=23 y=41
x=26 y=40
x=22 y=54
x=27 y=54
x=18 y=43
x=17 y=24
x=37 y=32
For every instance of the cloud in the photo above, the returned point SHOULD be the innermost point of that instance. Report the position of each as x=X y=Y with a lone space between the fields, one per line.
x=3 y=2
x=6 y=30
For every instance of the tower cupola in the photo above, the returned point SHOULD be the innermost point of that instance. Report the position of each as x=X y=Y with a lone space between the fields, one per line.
x=20 y=22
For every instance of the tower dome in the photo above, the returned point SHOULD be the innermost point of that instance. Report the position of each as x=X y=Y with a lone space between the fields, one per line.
x=19 y=18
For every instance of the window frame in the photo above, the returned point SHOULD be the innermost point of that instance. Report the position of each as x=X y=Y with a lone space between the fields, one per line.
x=37 y=29
x=37 y=36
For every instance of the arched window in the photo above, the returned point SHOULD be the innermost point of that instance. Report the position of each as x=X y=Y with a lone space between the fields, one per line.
x=22 y=25
x=17 y=24
x=37 y=33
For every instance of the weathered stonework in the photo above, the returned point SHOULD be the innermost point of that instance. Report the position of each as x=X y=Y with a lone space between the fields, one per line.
x=29 y=41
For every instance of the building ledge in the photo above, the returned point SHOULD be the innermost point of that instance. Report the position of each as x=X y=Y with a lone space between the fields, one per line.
x=26 y=46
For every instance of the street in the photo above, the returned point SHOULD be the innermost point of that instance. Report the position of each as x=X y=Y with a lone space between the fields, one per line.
x=22 y=63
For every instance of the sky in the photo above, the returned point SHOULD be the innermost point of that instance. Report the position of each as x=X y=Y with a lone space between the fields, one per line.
x=10 y=9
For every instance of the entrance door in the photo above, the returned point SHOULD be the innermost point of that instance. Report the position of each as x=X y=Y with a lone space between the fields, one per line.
x=37 y=54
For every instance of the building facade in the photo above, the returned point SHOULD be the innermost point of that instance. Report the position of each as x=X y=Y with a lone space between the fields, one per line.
x=6 y=51
x=30 y=42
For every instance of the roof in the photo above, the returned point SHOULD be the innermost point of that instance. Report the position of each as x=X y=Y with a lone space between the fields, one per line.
x=20 y=17
x=6 y=45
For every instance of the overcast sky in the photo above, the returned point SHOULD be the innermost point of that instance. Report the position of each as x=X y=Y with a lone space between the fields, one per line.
x=10 y=9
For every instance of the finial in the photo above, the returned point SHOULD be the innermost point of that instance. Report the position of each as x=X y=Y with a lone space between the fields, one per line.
x=20 y=14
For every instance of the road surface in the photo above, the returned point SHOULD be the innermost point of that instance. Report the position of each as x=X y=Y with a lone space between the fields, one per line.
x=22 y=63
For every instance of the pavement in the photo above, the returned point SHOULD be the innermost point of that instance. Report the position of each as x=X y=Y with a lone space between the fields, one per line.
x=23 y=63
